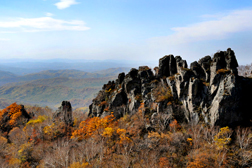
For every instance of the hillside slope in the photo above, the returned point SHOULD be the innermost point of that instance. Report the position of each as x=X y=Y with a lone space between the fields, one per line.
x=50 y=92
x=8 y=77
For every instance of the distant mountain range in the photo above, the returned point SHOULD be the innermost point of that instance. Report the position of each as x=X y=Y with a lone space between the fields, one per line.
x=5 y=74
x=23 y=67
x=8 y=77
x=50 y=87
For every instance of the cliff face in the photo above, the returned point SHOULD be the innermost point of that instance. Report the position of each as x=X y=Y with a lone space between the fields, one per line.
x=210 y=91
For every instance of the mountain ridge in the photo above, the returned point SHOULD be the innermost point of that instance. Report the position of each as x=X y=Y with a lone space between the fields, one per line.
x=58 y=73
x=209 y=91
x=42 y=88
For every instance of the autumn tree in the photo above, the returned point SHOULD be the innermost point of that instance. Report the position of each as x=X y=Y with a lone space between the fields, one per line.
x=12 y=116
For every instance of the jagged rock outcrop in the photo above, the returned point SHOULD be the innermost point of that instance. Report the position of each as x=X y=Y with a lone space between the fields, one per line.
x=64 y=113
x=210 y=91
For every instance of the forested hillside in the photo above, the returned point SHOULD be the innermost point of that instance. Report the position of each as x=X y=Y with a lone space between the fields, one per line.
x=49 y=88
x=7 y=77
x=76 y=141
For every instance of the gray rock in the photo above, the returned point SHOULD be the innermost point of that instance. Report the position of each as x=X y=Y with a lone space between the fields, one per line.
x=167 y=66
x=121 y=77
x=64 y=113
x=205 y=63
x=210 y=91
x=198 y=70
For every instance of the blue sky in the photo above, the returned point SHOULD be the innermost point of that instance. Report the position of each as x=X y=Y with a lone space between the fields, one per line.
x=137 y=30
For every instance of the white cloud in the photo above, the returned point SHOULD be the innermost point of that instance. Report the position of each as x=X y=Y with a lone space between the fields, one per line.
x=49 y=14
x=65 y=4
x=42 y=24
x=220 y=27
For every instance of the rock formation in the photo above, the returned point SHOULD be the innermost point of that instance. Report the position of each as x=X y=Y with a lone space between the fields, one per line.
x=64 y=113
x=210 y=91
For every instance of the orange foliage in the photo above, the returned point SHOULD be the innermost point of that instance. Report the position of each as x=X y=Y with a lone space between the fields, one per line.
x=222 y=71
x=103 y=103
x=88 y=127
x=174 y=126
x=202 y=160
x=164 y=162
x=106 y=109
x=169 y=103
x=14 y=112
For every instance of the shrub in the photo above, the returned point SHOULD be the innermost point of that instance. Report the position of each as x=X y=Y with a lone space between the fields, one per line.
x=222 y=71
x=162 y=93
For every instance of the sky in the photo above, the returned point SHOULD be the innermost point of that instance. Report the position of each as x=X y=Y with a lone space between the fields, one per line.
x=137 y=30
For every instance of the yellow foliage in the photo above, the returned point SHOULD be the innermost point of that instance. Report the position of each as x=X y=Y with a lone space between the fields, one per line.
x=47 y=129
x=223 y=137
x=40 y=119
x=78 y=165
x=107 y=91
x=14 y=162
x=50 y=131
x=190 y=140
x=75 y=122
x=108 y=132
x=122 y=135
x=24 y=151
x=120 y=131
x=153 y=135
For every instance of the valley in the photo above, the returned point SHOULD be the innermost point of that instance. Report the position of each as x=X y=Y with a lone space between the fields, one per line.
x=50 y=87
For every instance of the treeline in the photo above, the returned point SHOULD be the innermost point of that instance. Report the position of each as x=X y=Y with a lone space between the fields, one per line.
x=126 y=142
x=245 y=70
